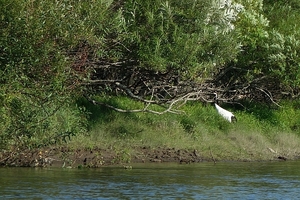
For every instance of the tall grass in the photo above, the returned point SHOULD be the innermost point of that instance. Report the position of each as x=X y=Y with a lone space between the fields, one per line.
x=258 y=130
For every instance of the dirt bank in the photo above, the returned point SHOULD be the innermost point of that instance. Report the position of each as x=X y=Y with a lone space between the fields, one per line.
x=65 y=157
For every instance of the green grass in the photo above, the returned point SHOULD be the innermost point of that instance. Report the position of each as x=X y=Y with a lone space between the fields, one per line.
x=258 y=129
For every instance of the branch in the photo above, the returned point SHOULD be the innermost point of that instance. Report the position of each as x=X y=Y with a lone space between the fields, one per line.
x=145 y=109
x=268 y=95
x=130 y=94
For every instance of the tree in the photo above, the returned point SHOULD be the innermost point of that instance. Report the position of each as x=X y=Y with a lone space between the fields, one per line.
x=267 y=67
x=37 y=85
x=168 y=51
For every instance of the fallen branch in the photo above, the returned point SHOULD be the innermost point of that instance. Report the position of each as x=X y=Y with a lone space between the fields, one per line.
x=268 y=95
x=145 y=109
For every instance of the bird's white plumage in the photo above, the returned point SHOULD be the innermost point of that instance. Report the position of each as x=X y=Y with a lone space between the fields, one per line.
x=225 y=113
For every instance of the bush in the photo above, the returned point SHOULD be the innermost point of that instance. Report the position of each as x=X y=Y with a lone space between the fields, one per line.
x=270 y=45
x=192 y=37
x=37 y=82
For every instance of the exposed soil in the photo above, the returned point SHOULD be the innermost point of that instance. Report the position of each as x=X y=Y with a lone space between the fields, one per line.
x=97 y=157
x=64 y=157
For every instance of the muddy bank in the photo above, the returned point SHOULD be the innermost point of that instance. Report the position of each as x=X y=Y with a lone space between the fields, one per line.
x=97 y=157
x=64 y=157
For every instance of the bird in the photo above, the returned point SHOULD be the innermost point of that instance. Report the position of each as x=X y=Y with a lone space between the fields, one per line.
x=229 y=116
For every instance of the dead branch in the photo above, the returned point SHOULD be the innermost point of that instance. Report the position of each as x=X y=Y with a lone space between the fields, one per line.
x=130 y=94
x=168 y=89
x=169 y=109
x=269 y=95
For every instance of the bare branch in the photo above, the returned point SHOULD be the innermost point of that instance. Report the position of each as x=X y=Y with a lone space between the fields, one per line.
x=269 y=95
x=145 y=109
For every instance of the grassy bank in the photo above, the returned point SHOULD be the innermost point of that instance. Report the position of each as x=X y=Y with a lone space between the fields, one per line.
x=261 y=133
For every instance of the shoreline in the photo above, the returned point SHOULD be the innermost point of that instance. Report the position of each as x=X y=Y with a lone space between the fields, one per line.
x=96 y=158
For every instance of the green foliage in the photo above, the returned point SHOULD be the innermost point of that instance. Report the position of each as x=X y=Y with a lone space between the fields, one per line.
x=33 y=122
x=182 y=36
x=288 y=12
x=283 y=58
x=283 y=46
x=252 y=24
x=270 y=43
x=188 y=124
x=267 y=120
x=37 y=83
x=289 y=116
x=251 y=28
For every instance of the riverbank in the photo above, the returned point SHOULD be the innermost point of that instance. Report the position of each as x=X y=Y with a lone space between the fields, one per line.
x=97 y=157
x=112 y=138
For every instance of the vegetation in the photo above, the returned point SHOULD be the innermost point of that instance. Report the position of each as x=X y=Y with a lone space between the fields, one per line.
x=99 y=72
x=258 y=129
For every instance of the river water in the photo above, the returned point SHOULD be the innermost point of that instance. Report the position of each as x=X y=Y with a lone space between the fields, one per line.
x=229 y=180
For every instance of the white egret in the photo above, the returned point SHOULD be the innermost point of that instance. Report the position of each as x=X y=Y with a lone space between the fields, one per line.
x=229 y=116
